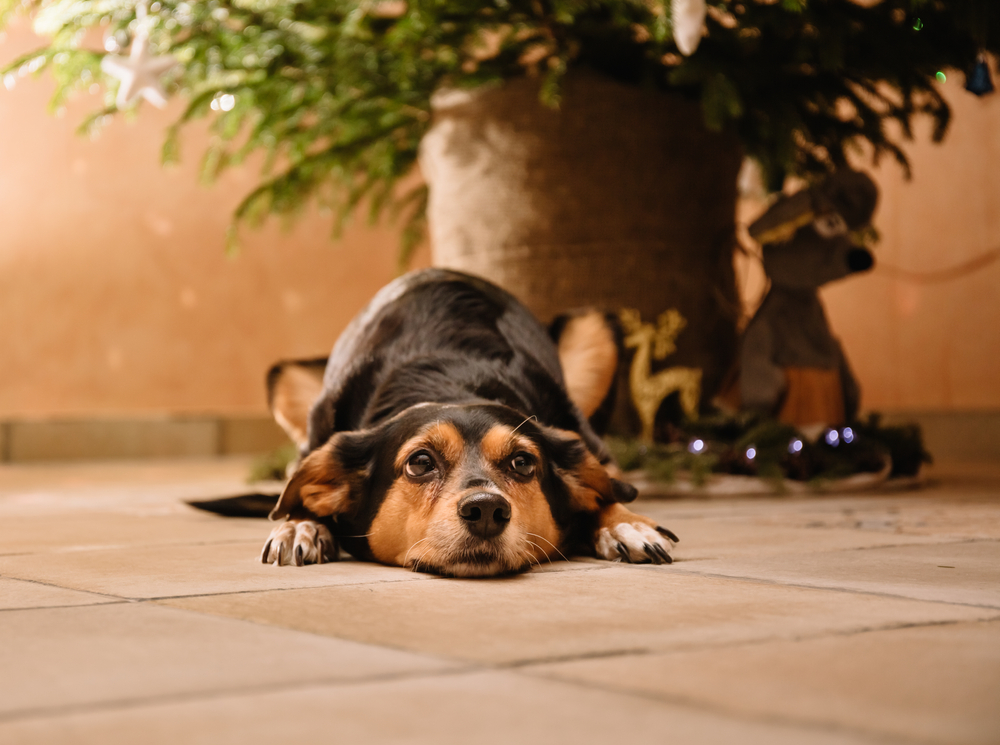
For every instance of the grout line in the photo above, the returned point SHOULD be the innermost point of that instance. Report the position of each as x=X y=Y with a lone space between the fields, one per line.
x=598 y=654
x=223 y=693
x=713 y=646
x=467 y=666
x=847 y=590
x=413 y=577
x=121 y=598
x=922 y=544
x=58 y=550
x=722 y=710
x=56 y=607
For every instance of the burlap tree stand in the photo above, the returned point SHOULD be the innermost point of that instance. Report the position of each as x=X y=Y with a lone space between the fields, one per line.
x=619 y=199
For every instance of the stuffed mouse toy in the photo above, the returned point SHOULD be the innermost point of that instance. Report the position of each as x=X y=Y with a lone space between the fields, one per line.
x=791 y=366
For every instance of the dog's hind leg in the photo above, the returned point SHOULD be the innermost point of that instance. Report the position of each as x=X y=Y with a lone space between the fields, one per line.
x=299 y=542
x=588 y=344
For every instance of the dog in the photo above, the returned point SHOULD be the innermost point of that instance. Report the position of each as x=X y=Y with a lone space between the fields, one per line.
x=449 y=434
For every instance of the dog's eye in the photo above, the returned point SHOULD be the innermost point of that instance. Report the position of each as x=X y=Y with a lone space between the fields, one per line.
x=420 y=464
x=522 y=464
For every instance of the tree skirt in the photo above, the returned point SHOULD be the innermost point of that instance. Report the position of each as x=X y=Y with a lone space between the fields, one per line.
x=727 y=485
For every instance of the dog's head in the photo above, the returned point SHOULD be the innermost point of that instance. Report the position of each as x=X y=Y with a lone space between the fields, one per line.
x=470 y=491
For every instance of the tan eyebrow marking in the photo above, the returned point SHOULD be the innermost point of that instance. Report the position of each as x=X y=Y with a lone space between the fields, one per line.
x=441 y=437
x=501 y=442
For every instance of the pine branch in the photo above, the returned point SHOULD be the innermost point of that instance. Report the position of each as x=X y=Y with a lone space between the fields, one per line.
x=336 y=94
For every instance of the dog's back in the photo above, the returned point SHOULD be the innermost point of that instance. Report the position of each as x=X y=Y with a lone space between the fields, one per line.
x=443 y=337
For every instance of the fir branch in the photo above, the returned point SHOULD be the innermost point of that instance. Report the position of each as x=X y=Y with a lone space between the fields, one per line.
x=336 y=94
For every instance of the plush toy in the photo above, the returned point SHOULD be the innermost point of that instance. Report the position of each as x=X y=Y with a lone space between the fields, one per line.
x=791 y=366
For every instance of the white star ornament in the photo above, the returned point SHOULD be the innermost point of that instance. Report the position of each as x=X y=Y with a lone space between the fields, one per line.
x=139 y=74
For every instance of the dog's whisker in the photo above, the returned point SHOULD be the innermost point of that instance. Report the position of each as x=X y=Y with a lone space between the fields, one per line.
x=523 y=423
x=528 y=554
x=556 y=548
x=407 y=555
x=416 y=562
x=531 y=560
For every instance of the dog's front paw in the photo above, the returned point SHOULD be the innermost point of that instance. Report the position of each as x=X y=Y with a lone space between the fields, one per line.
x=624 y=536
x=299 y=542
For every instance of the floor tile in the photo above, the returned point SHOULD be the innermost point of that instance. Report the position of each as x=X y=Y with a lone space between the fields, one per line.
x=739 y=537
x=34 y=534
x=15 y=593
x=167 y=571
x=483 y=708
x=945 y=572
x=851 y=522
x=929 y=684
x=115 y=654
x=541 y=616
x=144 y=487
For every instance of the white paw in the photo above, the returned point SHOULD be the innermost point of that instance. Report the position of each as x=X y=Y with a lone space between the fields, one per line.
x=299 y=542
x=635 y=543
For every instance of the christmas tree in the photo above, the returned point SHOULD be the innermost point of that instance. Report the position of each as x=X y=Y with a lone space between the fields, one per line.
x=338 y=93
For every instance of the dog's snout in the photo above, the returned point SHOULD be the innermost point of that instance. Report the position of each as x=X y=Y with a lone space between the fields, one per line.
x=485 y=515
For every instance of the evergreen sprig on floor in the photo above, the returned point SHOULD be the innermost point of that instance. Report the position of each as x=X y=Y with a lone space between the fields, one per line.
x=752 y=445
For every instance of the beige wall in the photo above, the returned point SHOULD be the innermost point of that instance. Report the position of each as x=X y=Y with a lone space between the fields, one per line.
x=116 y=297
x=932 y=345
x=916 y=344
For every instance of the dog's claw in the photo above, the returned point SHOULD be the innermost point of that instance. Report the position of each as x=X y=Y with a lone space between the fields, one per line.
x=624 y=553
x=651 y=553
x=667 y=558
x=668 y=533
x=297 y=543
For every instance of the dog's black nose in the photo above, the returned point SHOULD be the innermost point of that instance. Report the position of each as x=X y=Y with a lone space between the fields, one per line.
x=485 y=515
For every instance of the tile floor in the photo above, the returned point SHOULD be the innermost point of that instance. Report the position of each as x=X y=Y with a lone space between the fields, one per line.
x=129 y=617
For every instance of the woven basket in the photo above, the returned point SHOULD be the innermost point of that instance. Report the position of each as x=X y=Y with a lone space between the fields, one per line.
x=620 y=198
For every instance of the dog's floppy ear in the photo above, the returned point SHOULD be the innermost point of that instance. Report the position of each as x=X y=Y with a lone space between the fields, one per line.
x=292 y=389
x=588 y=482
x=323 y=482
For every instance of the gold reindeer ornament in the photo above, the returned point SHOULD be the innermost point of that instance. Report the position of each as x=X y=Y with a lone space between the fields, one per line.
x=648 y=388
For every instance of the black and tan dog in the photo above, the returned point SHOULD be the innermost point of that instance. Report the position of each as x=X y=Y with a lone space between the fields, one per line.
x=449 y=434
